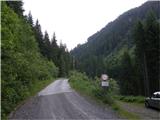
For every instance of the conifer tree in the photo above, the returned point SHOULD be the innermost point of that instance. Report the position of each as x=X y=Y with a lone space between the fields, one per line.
x=54 y=49
x=126 y=82
x=54 y=41
x=16 y=6
x=146 y=36
x=39 y=36
x=47 y=48
x=152 y=37
x=30 y=19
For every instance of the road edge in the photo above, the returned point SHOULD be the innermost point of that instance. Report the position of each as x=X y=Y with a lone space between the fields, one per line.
x=32 y=96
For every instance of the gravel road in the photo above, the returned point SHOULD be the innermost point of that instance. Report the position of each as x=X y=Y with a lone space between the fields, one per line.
x=58 y=101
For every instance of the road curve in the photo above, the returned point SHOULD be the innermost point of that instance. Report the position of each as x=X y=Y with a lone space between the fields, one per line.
x=58 y=101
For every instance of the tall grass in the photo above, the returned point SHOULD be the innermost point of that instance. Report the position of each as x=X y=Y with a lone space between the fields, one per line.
x=83 y=84
x=131 y=99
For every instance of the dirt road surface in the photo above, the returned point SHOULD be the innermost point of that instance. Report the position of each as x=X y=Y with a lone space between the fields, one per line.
x=58 y=101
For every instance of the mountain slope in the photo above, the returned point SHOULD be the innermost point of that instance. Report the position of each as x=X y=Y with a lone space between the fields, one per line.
x=111 y=40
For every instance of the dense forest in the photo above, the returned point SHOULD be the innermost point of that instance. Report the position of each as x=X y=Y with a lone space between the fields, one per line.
x=27 y=55
x=126 y=49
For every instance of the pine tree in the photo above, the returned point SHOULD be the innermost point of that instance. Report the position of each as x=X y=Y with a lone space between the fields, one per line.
x=39 y=37
x=146 y=37
x=30 y=19
x=54 y=50
x=16 y=6
x=47 y=47
x=62 y=67
x=54 y=41
x=139 y=35
x=126 y=81
x=152 y=37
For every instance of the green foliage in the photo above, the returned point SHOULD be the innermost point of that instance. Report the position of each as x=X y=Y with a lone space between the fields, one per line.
x=16 y=6
x=146 y=35
x=114 y=87
x=134 y=99
x=49 y=49
x=38 y=36
x=80 y=82
x=114 y=51
x=127 y=82
x=83 y=84
x=22 y=64
x=30 y=19
x=28 y=57
x=124 y=113
x=39 y=86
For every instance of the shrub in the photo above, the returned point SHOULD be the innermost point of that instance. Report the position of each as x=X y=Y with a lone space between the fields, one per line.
x=83 y=84
x=136 y=99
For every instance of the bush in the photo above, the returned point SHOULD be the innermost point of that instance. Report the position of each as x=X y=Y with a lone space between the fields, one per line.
x=113 y=87
x=83 y=84
x=135 y=99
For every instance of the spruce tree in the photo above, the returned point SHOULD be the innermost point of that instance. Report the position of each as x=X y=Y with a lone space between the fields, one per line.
x=47 y=47
x=146 y=37
x=126 y=81
x=54 y=50
x=16 y=6
x=30 y=19
x=39 y=36
x=139 y=35
x=54 y=41
x=152 y=37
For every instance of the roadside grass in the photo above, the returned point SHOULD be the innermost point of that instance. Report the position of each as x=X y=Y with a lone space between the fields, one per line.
x=131 y=99
x=124 y=113
x=33 y=90
x=39 y=86
x=85 y=86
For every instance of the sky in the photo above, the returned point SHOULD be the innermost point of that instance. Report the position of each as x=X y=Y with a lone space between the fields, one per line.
x=73 y=21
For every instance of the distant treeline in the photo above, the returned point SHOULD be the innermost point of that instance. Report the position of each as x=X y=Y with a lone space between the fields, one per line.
x=27 y=56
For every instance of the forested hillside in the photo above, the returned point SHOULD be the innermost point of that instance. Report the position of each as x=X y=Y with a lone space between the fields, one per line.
x=27 y=56
x=117 y=50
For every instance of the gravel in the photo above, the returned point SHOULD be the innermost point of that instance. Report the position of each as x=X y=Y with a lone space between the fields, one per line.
x=142 y=111
x=58 y=101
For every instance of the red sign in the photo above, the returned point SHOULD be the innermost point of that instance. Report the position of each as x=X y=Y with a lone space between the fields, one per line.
x=104 y=77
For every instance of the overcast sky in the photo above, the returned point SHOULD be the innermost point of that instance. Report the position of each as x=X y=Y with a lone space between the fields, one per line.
x=74 y=21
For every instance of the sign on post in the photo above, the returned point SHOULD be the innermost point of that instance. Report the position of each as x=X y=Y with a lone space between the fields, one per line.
x=104 y=77
x=105 y=83
x=104 y=80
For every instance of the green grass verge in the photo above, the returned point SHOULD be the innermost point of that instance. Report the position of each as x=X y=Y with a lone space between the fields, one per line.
x=131 y=99
x=39 y=86
x=34 y=89
x=81 y=83
x=124 y=113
